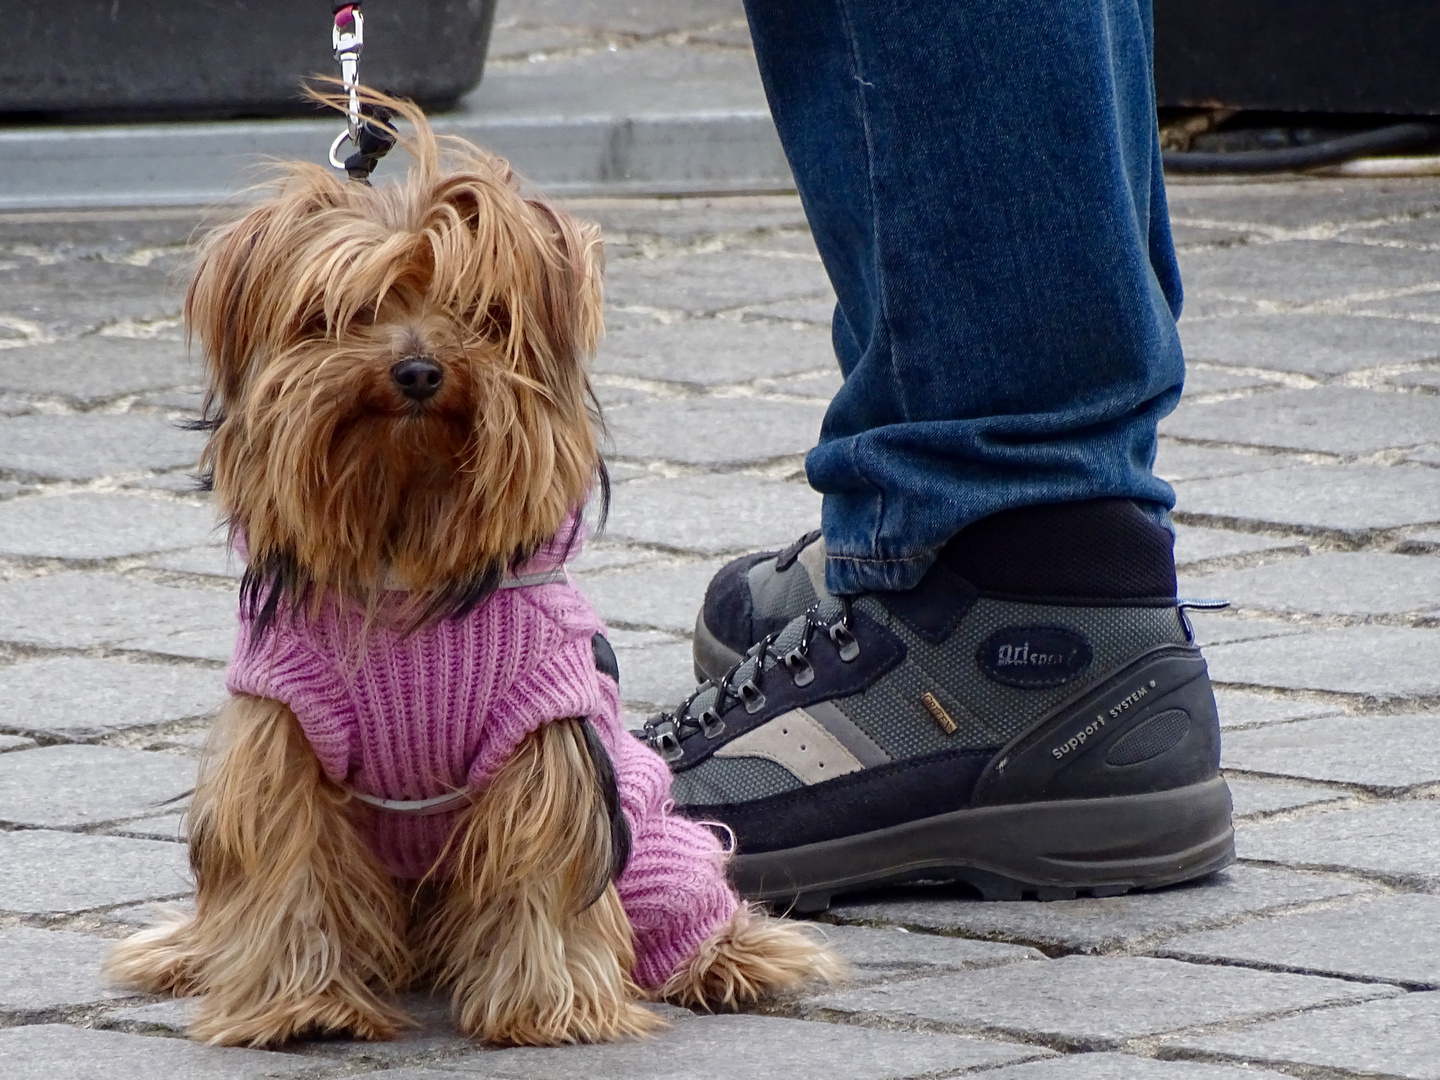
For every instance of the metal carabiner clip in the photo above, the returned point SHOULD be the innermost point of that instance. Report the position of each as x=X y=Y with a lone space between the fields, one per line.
x=348 y=38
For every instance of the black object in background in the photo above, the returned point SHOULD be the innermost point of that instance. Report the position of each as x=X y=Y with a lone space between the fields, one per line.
x=106 y=59
x=1328 y=56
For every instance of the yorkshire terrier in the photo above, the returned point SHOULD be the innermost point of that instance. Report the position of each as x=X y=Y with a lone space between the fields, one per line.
x=421 y=775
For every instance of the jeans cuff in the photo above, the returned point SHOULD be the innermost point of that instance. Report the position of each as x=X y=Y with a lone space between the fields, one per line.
x=846 y=575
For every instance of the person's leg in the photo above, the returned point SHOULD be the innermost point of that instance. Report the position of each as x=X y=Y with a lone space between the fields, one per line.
x=982 y=671
x=983 y=181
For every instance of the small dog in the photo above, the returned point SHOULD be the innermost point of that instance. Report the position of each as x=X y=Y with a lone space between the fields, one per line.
x=421 y=773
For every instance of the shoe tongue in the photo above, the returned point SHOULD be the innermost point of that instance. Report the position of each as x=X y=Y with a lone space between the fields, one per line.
x=826 y=611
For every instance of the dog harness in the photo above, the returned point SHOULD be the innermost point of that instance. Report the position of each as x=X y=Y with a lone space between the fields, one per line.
x=412 y=723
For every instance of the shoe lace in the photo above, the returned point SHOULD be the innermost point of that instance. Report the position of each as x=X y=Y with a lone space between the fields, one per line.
x=665 y=733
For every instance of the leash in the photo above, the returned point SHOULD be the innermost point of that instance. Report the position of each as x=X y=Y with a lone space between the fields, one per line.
x=371 y=140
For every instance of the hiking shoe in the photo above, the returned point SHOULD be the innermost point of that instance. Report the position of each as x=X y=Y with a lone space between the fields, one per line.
x=1034 y=719
x=753 y=597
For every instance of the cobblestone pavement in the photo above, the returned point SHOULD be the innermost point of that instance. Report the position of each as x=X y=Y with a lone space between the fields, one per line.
x=1305 y=455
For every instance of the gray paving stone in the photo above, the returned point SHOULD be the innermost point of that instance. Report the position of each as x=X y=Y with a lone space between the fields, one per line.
x=49 y=969
x=689 y=221
x=1421 y=542
x=1196 y=545
x=171 y=1016
x=97 y=369
x=1388 y=753
x=708 y=352
x=1181 y=461
x=80 y=698
x=639 y=17
x=711 y=431
x=1351 y=500
x=1091 y=1002
x=167 y=827
x=1390 y=938
x=1391 y=840
x=1337 y=583
x=875 y=954
x=1241 y=708
x=703 y=284
x=1427 y=455
x=817 y=310
x=655 y=669
x=1383 y=663
x=1329 y=419
x=1426 y=379
x=211 y=560
x=435 y=1039
x=1219 y=627
x=822 y=385
x=1308 y=344
x=58 y=786
x=1303 y=271
x=59 y=871
x=1392 y=1038
x=1124 y=1067
x=1253 y=797
x=91 y=525
x=1420 y=306
x=1206 y=382
x=81 y=610
x=84 y=447
x=104 y=234
x=607 y=556
x=435 y=1035
x=72 y=298
x=181 y=482
x=1097 y=925
x=1302 y=204
x=744 y=1047
x=713 y=514
x=651 y=597
x=138 y=916
x=59 y=1052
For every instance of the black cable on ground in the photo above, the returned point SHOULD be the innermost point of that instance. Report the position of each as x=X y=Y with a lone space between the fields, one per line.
x=1415 y=135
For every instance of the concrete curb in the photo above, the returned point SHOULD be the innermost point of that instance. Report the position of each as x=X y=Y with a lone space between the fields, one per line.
x=725 y=151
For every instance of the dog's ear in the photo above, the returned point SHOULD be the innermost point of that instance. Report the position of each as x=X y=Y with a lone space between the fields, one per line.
x=223 y=304
x=573 y=318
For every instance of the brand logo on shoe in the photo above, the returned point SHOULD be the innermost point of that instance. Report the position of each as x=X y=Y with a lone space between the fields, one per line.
x=1033 y=657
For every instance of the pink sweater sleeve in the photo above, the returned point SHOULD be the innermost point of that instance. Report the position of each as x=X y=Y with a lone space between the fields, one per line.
x=674 y=888
x=286 y=668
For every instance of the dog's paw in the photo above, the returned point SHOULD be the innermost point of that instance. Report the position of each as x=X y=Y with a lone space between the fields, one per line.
x=272 y=1022
x=582 y=1022
x=752 y=955
x=158 y=960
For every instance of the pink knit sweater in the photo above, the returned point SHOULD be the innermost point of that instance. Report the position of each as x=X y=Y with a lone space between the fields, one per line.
x=412 y=717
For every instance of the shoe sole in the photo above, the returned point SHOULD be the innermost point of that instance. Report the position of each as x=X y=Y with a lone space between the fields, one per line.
x=712 y=659
x=1041 y=851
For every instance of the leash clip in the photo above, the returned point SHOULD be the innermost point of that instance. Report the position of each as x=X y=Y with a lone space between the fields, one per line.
x=348 y=38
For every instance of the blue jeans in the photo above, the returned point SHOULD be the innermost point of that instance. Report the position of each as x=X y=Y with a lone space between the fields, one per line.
x=983 y=181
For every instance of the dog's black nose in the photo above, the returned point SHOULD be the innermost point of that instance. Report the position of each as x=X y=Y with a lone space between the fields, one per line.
x=418 y=377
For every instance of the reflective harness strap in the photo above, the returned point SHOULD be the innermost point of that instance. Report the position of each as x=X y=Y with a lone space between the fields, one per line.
x=442 y=803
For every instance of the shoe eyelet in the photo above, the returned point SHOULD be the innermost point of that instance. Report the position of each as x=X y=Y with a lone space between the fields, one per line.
x=711 y=726
x=799 y=667
x=751 y=696
x=845 y=641
x=665 y=740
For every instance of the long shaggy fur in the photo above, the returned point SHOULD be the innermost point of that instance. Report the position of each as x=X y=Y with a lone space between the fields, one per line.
x=753 y=955
x=345 y=489
x=297 y=927
x=530 y=955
